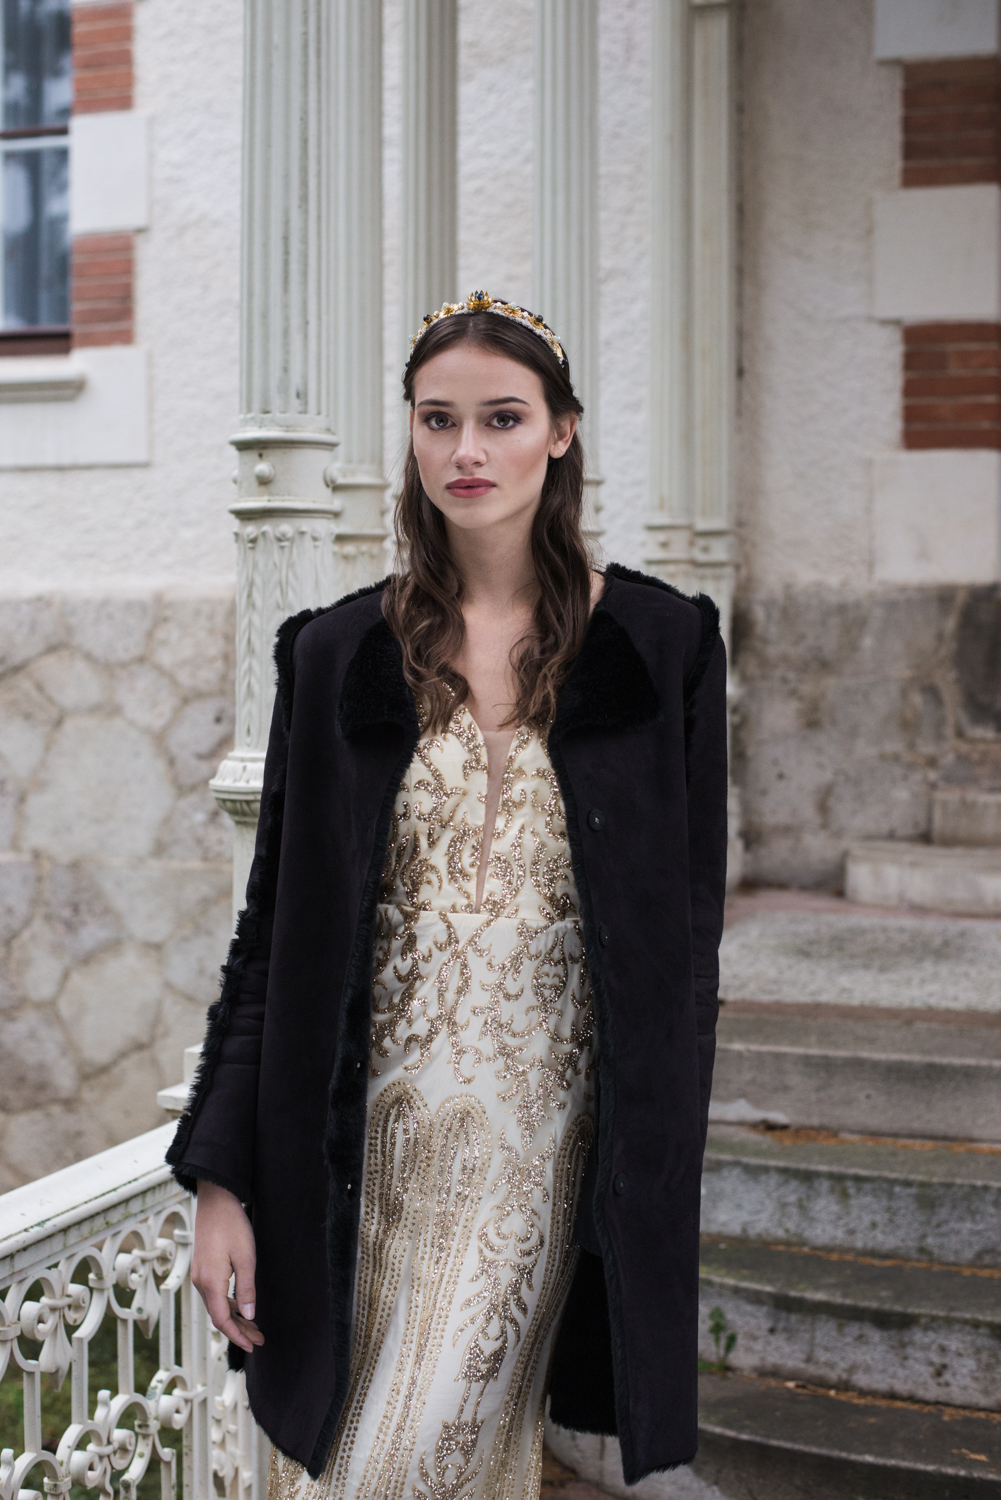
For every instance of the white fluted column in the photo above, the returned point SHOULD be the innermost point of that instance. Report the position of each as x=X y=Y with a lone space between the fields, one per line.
x=309 y=478
x=713 y=299
x=693 y=360
x=670 y=519
x=565 y=248
x=690 y=524
x=430 y=89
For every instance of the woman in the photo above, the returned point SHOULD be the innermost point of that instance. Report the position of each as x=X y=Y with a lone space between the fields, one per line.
x=461 y=1061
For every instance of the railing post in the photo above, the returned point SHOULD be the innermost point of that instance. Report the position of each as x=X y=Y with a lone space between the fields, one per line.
x=309 y=477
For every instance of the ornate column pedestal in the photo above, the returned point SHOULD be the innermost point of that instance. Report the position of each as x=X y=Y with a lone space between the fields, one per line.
x=293 y=553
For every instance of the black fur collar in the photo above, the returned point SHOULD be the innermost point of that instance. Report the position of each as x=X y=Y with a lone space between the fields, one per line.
x=609 y=686
x=375 y=690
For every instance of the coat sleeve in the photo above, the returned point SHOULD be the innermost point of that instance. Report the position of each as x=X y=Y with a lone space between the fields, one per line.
x=215 y=1135
x=706 y=735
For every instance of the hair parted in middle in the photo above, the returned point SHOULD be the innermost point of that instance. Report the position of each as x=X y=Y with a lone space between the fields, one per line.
x=423 y=601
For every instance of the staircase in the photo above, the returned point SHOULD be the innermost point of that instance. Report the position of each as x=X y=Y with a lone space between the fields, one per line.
x=861 y=1271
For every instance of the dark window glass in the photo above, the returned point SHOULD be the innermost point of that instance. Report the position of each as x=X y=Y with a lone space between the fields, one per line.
x=34 y=164
x=36 y=250
x=37 y=77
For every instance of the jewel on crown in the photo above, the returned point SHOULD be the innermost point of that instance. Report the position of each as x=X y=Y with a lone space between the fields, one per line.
x=483 y=302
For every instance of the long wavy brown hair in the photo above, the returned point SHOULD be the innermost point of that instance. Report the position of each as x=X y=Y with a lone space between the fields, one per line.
x=423 y=601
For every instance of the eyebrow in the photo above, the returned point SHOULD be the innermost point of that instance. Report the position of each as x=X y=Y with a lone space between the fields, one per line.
x=496 y=401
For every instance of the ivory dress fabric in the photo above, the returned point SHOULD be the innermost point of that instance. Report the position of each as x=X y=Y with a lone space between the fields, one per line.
x=480 y=1108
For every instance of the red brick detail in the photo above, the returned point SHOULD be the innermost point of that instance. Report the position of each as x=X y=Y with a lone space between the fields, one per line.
x=952 y=385
x=952 y=122
x=102 y=57
x=102 y=289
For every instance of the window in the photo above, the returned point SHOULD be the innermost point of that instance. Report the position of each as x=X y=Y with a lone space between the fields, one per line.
x=34 y=170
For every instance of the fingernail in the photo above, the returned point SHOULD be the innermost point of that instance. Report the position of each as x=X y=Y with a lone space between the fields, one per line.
x=247 y=1309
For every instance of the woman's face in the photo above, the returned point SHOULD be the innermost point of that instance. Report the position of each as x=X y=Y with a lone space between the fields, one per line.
x=483 y=436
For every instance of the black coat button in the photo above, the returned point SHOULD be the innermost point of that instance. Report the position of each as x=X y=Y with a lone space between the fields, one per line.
x=596 y=819
x=619 y=1183
x=603 y=936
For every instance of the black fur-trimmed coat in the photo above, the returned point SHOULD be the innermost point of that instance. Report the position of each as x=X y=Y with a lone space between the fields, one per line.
x=278 y=1110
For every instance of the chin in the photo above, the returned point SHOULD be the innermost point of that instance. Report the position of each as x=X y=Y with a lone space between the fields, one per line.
x=474 y=515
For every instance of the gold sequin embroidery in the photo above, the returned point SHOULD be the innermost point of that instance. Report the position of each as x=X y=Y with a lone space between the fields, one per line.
x=479 y=1125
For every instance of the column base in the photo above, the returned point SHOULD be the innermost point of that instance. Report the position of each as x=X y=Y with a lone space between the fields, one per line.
x=236 y=788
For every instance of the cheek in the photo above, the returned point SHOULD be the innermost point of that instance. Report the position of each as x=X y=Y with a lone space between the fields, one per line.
x=426 y=451
x=526 y=454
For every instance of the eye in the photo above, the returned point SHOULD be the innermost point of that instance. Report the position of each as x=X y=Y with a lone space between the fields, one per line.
x=505 y=420
x=437 y=421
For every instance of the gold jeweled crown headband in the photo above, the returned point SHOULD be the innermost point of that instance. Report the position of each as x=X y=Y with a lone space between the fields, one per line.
x=483 y=302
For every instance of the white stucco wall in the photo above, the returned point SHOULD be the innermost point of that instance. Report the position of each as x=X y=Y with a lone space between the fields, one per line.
x=163 y=524
x=821 y=387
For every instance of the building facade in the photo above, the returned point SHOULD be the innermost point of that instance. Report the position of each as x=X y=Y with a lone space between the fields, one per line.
x=767 y=234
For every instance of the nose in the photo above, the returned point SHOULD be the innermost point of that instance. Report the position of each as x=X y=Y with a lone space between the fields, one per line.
x=469 y=452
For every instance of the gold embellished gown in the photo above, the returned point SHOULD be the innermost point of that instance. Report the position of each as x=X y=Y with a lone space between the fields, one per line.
x=479 y=1124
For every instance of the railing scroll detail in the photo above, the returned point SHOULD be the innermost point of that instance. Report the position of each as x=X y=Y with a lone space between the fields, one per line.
x=112 y=1238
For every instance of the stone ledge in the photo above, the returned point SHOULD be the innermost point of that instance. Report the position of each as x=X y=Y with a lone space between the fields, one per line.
x=960 y=879
x=174 y=1100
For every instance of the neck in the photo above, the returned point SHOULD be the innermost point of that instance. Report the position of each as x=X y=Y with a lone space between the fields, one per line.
x=497 y=572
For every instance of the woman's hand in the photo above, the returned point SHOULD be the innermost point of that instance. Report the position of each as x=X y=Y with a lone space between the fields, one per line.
x=224 y=1246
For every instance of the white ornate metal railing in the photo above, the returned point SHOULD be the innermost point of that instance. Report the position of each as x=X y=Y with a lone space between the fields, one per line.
x=111 y=1237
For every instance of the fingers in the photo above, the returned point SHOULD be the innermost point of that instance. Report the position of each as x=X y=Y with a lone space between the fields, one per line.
x=244 y=1292
x=220 y=1310
x=224 y=1248
x=226 y=1317
x=246 y=1326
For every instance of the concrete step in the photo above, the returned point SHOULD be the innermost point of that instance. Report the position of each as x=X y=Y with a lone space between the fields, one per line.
x=892 y=1328
x=917 y=1200
x=889 y=872
x=760 y=1440
x=829 y=951
x=871 y=1071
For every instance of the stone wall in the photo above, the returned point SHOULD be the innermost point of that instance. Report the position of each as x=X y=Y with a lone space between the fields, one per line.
x=115 y=865
x=854 y=708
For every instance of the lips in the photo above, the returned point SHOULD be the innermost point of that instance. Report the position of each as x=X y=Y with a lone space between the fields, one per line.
x=468 y=489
